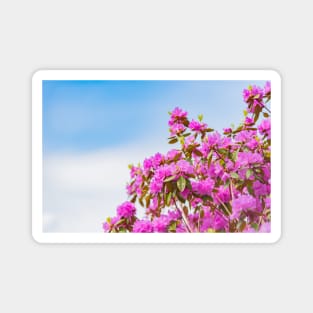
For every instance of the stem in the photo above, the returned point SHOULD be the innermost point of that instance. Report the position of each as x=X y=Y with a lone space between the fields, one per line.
x=268 y=110
x=219 y=155
x=184 y=218
x=231 y=188
x=198 y=228
x=225 y=207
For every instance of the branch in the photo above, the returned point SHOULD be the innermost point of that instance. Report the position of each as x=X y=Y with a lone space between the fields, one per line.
x=184 y=218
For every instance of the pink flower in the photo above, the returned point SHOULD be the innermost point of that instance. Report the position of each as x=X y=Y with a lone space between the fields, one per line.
x=205 y=149
x=135 y=171
x=143 y=226
x=156 y=185
x=267 y=88
x=203 y=187
x=265 y=128
x=245 y=135
x=178 y=113
x=243 y=203
x=197 y=126
x=260 y=189
x=216 y=170
x=249 y=229
x=177 y=129
x=214 y=221
x=147 y=165
x=107 y=226
x=157 y=159
x=174 y=215
x=172 y=154
x=265 y=228
x=185 y=167
x=233 y=170
x=248 y=158
x=214 y=139
x=257 y=91
x=222 y=194
x=160 y=224
x=268 y=203
x=227 y=130
x=189 y=141
x=249 y=121
x=252 y=144
x=126 y=210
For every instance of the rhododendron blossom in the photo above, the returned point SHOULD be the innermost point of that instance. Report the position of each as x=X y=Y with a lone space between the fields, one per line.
x=210 y=182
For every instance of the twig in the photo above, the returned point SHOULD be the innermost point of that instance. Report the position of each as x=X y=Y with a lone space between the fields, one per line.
x=184 y=218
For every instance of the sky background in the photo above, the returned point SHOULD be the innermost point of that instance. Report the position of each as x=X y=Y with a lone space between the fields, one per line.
x=92 y=130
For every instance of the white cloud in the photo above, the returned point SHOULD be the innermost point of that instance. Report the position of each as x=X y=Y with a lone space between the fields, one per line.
x=81 y=190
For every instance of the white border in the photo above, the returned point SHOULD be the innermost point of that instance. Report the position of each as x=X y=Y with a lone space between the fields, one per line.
x=37 y=203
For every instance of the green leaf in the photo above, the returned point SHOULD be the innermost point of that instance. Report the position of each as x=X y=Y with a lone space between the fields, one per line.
x=245 y=113
x=148 y=199
x=235 y=155
x=197 y=152
x=249 y=172
x=200 y=117
x=172 y=228
x=181 y=183
x=182 y=140
x=250 y=189
x=141 y=202
x=241 y=226
x=168 y=198
x=174 y=140
x=121 y=221
x=180 y=197
x=177 y=156
x=170 y=178
x=210 y=156
x=201 y=213
x=239 y=129
x=169 y=186
x=234 y=175
x=257 y=114
x=209 y=130
x=222 y=151
x=255 y=226
x=133 y=199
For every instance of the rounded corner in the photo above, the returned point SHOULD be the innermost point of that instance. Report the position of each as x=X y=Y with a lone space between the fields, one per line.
x=37 y=75
x=276 y=237
x=276 y=74
x=36 y=238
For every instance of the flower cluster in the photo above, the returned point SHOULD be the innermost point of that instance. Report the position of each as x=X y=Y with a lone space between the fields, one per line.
x=212 y=182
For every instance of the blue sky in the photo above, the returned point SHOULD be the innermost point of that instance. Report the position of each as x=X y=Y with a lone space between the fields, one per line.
x=92 y=130
x=88 y=115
